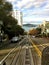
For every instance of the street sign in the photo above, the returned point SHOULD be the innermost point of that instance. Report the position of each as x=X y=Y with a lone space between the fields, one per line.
x=45 y=56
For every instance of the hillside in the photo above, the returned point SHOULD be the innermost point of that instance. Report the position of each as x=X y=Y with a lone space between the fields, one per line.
x=30 y=25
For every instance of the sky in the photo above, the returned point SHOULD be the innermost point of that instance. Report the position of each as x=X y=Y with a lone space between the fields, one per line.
x=34 y=11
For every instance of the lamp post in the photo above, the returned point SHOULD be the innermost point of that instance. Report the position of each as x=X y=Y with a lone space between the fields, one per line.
x=1 y=23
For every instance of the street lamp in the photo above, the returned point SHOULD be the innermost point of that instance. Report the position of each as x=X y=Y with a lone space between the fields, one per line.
x=1 y=23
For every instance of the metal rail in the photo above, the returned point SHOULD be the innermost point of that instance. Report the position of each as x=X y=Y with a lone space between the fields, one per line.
x=5 y=58
x=28 y=58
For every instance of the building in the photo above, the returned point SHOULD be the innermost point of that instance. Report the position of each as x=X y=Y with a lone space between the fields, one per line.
x=45 y=27
x=18 y=15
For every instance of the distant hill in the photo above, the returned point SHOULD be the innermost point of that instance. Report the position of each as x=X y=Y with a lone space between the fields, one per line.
x=29 y=25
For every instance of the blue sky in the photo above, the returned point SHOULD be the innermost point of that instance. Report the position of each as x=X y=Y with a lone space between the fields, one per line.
x=34 y=11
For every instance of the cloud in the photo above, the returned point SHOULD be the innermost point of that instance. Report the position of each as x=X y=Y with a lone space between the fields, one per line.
x=33 y=10
x=28 y=5
x=23 y=3
x=37 y=12
x=47 y=6
x=35 y=3
x=28 y=19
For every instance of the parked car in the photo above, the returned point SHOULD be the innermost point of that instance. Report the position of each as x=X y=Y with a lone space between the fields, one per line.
x=14 y=39
x=33 y=36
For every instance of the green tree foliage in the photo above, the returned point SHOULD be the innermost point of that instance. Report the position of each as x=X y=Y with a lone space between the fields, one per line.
x=5 y=9
x=39 y=30
x=19 y=30
x=9 y=26
x=13 y=30
x=47 y=25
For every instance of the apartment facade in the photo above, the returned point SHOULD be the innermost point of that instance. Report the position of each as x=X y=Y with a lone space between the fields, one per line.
x=45 y=27
x=19 y=16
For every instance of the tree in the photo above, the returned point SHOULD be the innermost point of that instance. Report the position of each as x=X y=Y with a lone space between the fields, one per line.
x=33 y=32
x=39 y=30
x=14 y=31
x=5 y=9
x=19 y=30
x=9 y=26
x=9 y=20
x=25 y=33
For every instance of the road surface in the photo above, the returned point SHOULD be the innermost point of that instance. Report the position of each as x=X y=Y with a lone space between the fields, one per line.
x=28 y=52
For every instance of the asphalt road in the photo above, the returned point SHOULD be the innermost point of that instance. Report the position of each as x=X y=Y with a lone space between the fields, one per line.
x=29 y=51
x=39 y=44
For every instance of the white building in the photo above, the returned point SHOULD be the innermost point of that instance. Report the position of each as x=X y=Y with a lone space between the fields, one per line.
x=45 y=27
x=18 y=15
